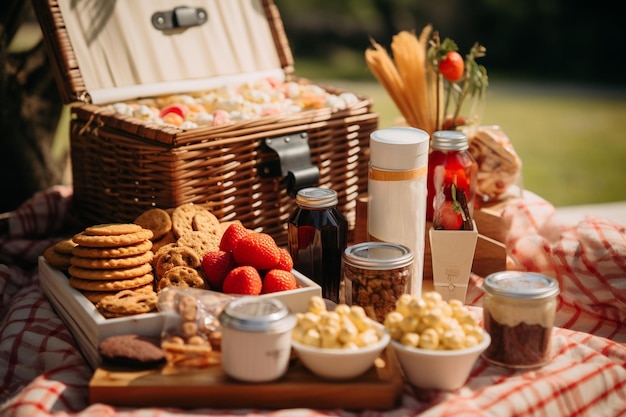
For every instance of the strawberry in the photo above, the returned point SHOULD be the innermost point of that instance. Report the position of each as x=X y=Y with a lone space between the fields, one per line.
x=448 y=217
x=278 y=280
x=216 y=265
x=244 y=280
x=286 y=261
x=258 y=250
x=231 y=236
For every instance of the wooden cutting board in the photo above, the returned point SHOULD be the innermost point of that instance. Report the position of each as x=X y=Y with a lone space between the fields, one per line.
x=379 y=388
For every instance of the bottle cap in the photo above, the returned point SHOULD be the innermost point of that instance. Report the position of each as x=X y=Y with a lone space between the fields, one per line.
x=316 y=197
x=449 y=140
x=378 y=255
x=521 y=285
x=399 y=148
x=257 y=314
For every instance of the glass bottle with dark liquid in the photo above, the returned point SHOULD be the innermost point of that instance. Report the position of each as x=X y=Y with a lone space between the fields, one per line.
x=318 y=235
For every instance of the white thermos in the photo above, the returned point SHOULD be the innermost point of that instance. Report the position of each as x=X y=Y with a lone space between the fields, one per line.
x=396 y=212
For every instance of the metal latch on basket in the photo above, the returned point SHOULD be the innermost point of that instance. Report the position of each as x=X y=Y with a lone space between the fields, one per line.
x=179 y=17
x=293 y=162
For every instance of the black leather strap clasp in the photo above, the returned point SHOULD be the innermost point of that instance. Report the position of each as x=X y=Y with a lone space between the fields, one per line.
x=293 y=161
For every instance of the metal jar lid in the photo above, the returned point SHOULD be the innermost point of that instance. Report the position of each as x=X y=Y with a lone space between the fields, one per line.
x=520 y=285
x=378 y=255
x=449 y=140
x=257 y=314
x=317 y=197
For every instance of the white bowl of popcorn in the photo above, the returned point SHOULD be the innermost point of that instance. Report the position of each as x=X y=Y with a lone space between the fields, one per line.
x=437 y=343
x=340 y=344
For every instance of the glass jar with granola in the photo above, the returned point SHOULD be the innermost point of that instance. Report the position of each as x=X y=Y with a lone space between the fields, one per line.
x=375 y=275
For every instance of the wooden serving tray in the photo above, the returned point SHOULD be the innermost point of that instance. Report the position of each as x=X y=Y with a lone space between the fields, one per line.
x=379 y=388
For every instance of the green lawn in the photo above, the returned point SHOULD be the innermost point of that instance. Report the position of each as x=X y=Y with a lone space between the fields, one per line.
x=570 y=139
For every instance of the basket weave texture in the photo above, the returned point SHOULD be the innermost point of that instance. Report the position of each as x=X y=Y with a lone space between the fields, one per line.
x=123 y=166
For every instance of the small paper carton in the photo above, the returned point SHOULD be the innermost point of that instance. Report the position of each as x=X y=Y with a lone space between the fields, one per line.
x=452 y=253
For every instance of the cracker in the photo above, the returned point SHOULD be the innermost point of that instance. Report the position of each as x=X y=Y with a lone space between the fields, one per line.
x=108 y=241
x=173 y=256
x=113 y=252
x=56 y=259
x=110 y=285
x=110 y=274
x=157 y=220
x=182 y=218
x=224 y=225
x=181 y=276
x=112 y=263
x=128 y=302
x=185 y=355
x=112 y=229
x=200 y=242
x=205 y=221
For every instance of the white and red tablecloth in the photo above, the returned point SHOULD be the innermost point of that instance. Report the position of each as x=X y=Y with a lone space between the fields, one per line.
x=42 y=372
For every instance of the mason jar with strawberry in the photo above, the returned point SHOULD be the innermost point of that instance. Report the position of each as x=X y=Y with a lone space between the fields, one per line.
x=452 y=178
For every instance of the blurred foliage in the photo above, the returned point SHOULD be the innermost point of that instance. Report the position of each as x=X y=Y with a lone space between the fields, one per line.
x=567 y=40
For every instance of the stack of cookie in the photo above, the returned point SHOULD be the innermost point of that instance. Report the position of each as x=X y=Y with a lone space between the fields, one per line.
x=112 y=266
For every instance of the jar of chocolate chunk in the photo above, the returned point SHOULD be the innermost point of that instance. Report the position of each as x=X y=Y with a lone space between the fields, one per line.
x=375 y=275
x=519 y=309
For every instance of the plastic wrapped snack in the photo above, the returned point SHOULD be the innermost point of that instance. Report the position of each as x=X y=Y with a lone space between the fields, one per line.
x=499 y=166
x=191 y=335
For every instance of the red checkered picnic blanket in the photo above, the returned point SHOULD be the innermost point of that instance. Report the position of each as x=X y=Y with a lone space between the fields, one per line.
x=42 y=372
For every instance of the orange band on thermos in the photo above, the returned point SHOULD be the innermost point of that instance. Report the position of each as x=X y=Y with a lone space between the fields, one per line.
x=385 y=175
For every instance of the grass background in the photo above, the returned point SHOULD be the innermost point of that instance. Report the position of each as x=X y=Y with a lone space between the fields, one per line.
x=570 y=137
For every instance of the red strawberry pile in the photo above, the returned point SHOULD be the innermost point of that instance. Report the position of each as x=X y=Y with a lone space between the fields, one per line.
x=248 y=263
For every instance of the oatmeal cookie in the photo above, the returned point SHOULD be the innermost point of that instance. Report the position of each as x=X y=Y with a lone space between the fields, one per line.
x=108 y=241
x=113 y=252
x=110 y=274
x=110 y=285
x=112 y=263
x=157 y=220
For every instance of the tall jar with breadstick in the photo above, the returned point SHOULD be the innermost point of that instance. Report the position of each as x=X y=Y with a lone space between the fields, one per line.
x=432 y=85
x=436 y=88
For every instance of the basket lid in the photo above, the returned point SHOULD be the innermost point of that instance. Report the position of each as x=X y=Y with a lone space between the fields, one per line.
x=107 y=51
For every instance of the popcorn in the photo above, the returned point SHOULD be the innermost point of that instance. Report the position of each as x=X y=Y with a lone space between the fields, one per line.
x=227 y=104
x=344 y=328
x=188 y=125
x=430 y=322
x=143 y=112
x=123 y=108
x=317 y=306
x=410 y=339
x=429 y=339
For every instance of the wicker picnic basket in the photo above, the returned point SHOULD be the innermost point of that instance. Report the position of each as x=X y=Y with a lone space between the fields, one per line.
x=123 y=165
